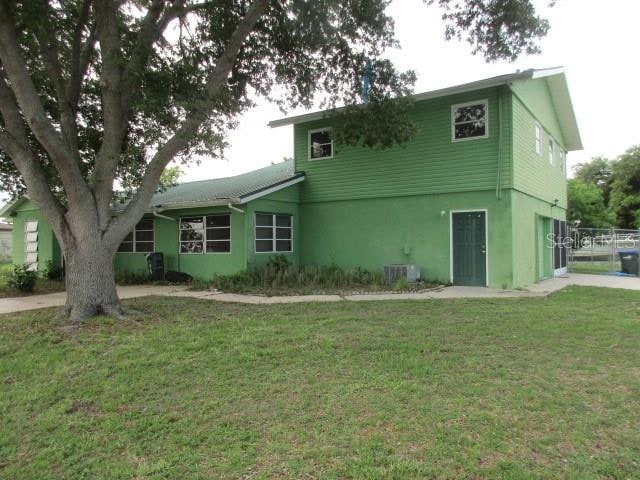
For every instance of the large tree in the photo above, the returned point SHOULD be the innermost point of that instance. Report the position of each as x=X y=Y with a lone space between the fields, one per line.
x=94 y=91
x=586 y=205
x=625 y=188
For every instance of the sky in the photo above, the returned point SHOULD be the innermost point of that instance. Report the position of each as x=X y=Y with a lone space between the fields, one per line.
x=595 y=40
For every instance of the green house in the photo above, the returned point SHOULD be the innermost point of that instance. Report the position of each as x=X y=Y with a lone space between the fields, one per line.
x=478 y=197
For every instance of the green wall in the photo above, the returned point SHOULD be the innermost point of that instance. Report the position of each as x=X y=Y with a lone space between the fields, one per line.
x=430 y=163
x=532 y=252
x=532 y=173
x=369 y=233
x=48 y=248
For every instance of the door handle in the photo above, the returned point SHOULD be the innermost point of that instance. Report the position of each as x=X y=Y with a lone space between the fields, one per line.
x=483 y=250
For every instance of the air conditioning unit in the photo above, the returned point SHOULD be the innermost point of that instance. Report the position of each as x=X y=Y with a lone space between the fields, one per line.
x=395 y=272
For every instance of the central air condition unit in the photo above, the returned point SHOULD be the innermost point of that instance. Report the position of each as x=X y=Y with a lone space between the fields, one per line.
x=395 y=272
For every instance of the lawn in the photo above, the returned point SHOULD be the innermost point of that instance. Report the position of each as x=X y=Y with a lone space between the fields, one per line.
x=596 y=267
x=467 y=389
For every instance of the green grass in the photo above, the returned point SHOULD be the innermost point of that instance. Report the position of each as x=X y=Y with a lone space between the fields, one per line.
x=596 y=267
x=43 y=285
x=466 y=389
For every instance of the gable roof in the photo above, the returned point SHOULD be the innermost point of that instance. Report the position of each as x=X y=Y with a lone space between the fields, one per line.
x=238 y=189
x=555 y=78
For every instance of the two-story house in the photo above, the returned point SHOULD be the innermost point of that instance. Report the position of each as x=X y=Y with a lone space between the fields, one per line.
x=476 y=198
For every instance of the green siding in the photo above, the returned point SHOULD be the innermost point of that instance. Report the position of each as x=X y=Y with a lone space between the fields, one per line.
x=369 y=233
x=532 y=173
x=47 y=245
x=430 y=163
x=535 y=95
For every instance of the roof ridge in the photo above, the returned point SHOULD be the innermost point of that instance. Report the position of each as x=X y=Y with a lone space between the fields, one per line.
x=231 y=176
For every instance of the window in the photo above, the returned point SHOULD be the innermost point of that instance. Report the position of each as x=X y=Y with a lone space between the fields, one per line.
x=469 y=121
x=31 y=245
x=320 y=144
x=551 y=147
x=274 y=232
x=538 y=140
x=206 y=234
x=141 y=239
x=563 y=161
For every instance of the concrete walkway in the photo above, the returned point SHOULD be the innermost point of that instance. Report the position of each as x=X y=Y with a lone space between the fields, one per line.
x=10 y=305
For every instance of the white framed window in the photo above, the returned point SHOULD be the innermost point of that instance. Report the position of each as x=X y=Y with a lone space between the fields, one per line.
x=470 y=120
x=206 y=234
x=274 y=232
x=31 y=245
x=551 y=149
x=563 y=161
x=141 y=240
x=538 y=130
x=320 y=144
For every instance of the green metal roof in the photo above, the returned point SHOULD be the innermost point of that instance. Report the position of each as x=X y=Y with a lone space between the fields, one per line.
x=220 y=191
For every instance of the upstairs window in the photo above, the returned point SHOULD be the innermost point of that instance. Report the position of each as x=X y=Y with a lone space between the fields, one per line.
x=274 y=232
x=551 y=148
x=206 y=234
x=141 y=239
x=563 y=161
x=538 y=140
x=320 y=144
x=470 y=120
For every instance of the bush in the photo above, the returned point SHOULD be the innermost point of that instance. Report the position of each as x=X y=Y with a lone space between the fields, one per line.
x=52 y=271
x=22 y=279
x=138 y=277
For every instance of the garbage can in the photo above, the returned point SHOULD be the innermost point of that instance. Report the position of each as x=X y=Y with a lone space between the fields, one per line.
x=629 y=261
x=155 y=262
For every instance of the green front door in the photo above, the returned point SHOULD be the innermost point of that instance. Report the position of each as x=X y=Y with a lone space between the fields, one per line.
x=469 y=248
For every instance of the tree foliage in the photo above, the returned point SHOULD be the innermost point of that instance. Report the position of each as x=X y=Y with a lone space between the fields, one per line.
x=587 y=206
x=625 y=188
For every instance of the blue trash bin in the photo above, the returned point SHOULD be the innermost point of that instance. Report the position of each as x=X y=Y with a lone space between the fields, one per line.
x=629 y=261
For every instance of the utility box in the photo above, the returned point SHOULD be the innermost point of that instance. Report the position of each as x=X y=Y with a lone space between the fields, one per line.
x=395 y=272
x=155 y=262
x=629 y=260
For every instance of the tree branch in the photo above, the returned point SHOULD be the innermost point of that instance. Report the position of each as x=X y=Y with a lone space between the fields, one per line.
x=49 y=52
x=36 y=181
x=33 y=111
x=122 y=224
x=80 y=55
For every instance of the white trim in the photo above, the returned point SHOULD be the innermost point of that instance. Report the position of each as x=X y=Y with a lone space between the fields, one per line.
x=485 y=102
x=204 y=234
x=538 y=131
x=317 y=130
x=551 y=150
x=273 y=229
x=267 y=191
x=486 y=241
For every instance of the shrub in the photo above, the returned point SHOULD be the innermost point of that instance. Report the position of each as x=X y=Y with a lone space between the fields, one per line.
x=128 y=277
x=22 y=279
x=52 y=271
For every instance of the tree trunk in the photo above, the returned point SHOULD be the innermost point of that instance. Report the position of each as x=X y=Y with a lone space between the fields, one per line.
x=90 y=282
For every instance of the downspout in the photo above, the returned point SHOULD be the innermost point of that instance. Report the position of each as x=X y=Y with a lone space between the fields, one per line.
x=499 y=175
x=159 y=215
x=235 y=209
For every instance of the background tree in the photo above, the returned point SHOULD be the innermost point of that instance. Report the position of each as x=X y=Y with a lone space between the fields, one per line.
x=97 y=90
x=170 y=176
x=625 y=188
x=597 y=171
x=586 y=204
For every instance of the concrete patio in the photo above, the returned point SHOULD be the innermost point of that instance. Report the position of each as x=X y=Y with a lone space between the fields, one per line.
x=544 y=288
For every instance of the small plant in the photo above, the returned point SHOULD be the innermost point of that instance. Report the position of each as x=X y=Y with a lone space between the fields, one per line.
x=401 y=284
x=52 y=271
x=22 y=279
x=128 y=277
